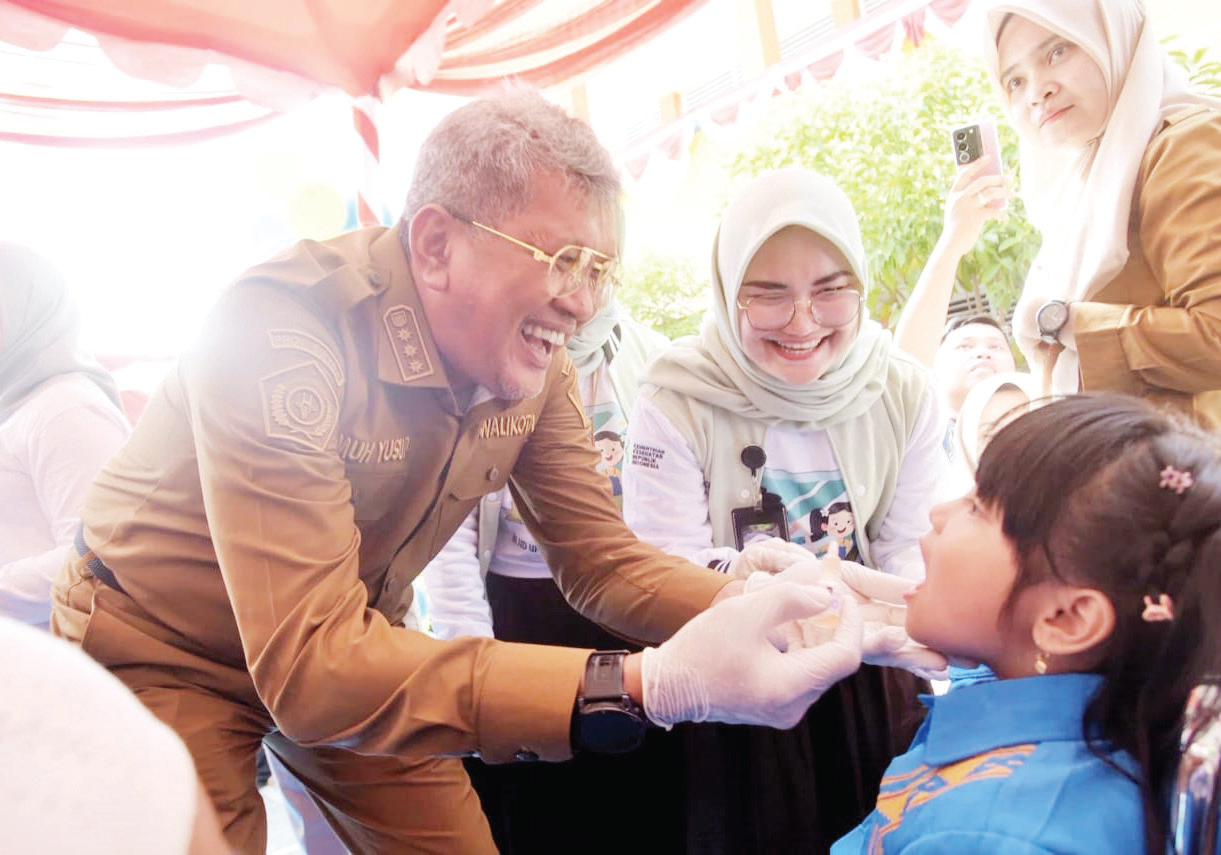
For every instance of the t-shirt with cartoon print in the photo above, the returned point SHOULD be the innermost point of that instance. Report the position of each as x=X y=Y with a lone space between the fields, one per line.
x=664 y=480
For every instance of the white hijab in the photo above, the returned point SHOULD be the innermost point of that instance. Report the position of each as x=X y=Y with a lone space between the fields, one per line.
x=40 y=327
x=967 y=440
x=1081 y=200
x=714 y=368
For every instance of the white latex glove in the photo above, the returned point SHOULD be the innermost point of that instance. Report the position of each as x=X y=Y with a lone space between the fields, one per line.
x=765 y=556
x=880 y=596
x=753 y=659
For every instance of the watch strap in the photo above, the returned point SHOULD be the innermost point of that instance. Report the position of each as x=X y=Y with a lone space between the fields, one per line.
x=605 y=719
x=604 y=676
x=1051 y=335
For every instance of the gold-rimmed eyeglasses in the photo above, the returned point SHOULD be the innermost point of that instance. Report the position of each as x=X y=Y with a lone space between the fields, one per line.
x=574 y=266
x=830 y=307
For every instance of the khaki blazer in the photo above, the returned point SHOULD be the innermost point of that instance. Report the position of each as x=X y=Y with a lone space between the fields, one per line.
x=294 y=473
x=1134 y=336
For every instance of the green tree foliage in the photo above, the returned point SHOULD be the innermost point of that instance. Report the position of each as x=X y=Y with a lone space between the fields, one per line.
x=885 y=141
x=664 y=293
x=1203 y=70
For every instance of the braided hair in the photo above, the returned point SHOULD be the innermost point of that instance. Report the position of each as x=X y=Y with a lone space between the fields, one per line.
x=1107 y=492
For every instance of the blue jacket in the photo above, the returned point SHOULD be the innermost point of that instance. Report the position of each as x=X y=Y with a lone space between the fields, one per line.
x=1001 y=767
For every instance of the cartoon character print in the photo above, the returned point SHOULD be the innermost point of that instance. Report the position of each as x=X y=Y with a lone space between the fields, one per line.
x=819 y=515
x=610 y=445
x=837 y=524
x=609 y=427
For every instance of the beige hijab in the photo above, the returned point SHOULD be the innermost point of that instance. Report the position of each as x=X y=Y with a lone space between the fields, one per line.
x=1081 y=200
x=715 y=369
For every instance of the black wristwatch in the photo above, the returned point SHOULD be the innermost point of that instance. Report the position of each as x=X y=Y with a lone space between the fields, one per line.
x=1050 y=319
x=606 y=719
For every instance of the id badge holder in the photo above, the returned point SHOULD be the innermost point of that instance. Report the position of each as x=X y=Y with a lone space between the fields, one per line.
x=766 y=518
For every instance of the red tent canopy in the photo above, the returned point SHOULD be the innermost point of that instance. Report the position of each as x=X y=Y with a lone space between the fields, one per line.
x=219 y=66
x=364 y=47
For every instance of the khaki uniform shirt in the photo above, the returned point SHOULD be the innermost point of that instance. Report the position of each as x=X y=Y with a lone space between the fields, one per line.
x=300 y=466
x=1155 y=330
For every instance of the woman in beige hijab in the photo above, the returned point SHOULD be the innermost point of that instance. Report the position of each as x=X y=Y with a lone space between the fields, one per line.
x=791 y=412
x=1121 y=172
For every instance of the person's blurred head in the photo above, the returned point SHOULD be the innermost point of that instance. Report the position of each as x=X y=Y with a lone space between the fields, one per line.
x=973 y=347
x=792 y=275
x=124 y=778
x=499 y=172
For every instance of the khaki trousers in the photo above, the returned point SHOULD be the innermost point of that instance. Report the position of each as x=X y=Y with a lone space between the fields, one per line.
x=376 y=804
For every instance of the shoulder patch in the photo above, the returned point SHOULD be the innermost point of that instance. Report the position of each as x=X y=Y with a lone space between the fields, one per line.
x=300 y=404
x=408 y=344
x=308 y=344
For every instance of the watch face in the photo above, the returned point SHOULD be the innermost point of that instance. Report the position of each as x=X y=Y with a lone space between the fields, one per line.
x=608 y=728
x=1052 y=317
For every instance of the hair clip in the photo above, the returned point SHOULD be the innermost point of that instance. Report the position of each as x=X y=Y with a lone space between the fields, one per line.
x=1163 y=609
x=1175 y=479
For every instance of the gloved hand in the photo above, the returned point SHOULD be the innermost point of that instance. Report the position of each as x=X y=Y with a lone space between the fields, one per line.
x=765 y=556
x=752 y=659
x=880 y=596
x=885 y=610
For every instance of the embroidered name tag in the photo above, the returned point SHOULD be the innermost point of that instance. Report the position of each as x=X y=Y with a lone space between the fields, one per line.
x=499 y=426
x=372 y=450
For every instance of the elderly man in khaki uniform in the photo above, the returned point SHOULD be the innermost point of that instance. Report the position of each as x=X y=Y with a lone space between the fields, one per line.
x=244 y=561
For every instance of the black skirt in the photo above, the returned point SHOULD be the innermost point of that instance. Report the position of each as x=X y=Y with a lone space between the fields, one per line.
x=699 y=789
x=594 y=803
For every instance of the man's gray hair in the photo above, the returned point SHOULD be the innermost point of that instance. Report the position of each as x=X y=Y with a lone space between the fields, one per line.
x=481 y=161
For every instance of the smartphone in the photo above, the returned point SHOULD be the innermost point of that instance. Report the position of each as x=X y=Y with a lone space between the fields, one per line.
x=972 y=141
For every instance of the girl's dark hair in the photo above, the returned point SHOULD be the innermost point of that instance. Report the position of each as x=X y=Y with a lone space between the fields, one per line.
x=1079 y=486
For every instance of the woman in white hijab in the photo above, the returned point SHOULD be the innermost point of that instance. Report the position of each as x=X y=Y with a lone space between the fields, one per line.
x=60 y=420
x=789 y=414
x=990 y=405
x=1121 y=172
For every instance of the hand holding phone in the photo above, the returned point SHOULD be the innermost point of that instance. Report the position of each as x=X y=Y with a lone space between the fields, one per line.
x=972 y=141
